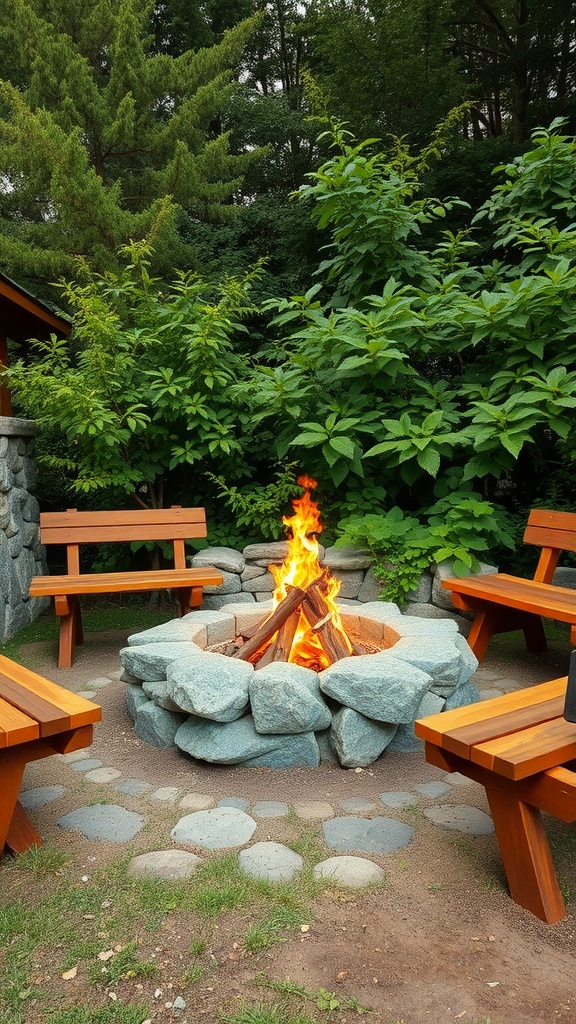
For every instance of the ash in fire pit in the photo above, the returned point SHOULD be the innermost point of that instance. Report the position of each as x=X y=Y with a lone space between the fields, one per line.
x=299 y=680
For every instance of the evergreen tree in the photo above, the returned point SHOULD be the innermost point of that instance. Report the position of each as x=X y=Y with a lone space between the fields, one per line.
x=104 y=139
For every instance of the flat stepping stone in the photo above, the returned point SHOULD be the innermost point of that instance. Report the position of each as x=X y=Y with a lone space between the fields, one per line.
x=311 y=809
x=270 y=809
x=376 y=835
x=42 y=795
x=218 y=828
x=87 y=694
x=166 y=794
x=273 y=862
x=488 y=694
x=76 y=755
x=133 y=787
x=171 y=864
x=87 y=764
x=457 y=779
x=234 y=801
x=103 y=775
x=461 y=818
x=100 y=682
x=108 y=822
x=397 y=798
x=356 y=805
x=354 y=872
x=433 y=789
x=196 y=802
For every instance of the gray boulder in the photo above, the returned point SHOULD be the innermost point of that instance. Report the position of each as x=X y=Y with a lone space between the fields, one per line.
x=156 y=691
x=157 y=726
x=439 y=657
x=220 y=626
x=347 y=558
x=210 y=686
x=275 y=551
x=406 y=741
x=286 y=698
x=377 y=685
x=172 y=632
x=226 y=559
x=225 y=742
x=299 y=751
x=135 y=699
x=357 y=740
x=468 y=693
x=231 y=584
x=150 y=661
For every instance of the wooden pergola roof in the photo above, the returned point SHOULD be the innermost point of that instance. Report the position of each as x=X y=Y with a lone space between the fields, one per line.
x=23 y=316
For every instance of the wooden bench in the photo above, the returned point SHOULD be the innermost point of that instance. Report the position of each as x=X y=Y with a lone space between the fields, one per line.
x=74 y=528
x=503 y=603
x=37 y=719
x=517 y=746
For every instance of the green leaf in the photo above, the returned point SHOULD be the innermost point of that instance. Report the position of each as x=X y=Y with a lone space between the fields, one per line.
x=343 y=445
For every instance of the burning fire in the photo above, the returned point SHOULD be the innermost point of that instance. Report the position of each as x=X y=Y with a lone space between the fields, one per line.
x=300 y=568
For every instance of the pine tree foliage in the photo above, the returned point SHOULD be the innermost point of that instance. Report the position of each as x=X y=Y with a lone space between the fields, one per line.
x=103 y=139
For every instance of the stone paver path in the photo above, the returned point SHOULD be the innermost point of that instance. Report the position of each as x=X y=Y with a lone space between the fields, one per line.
x=348 y=824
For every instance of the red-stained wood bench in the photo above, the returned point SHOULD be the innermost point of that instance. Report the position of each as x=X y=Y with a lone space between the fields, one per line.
x=504 y=603
x=37 y=718
x=518 y=747
x=73 y=528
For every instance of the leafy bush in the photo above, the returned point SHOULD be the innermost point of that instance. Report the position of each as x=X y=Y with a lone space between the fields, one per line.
x=458 y=528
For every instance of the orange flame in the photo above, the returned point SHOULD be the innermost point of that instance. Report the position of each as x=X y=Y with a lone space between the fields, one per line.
x=299 y=569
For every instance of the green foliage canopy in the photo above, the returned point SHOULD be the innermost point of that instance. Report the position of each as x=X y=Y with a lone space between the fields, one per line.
x=103 y=139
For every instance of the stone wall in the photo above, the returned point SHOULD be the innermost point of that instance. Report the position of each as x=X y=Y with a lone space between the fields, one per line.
x=247 y=579
x=21 y=555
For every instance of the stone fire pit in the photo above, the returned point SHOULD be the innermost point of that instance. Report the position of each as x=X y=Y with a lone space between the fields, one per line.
x=182 y=691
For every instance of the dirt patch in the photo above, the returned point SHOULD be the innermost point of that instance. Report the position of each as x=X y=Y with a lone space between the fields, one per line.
x=441 y=941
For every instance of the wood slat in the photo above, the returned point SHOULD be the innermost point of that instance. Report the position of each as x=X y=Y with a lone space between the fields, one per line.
x=551 y=518
x=526 y=595
x=79 y=710
x=126 y=525
x=550 y=537
x=50 y=717
x=85 y=534
x=111 y=582
x=16 y=727
x=460 y=741
x=532 y=750
x=123 y=517
x=434 y=728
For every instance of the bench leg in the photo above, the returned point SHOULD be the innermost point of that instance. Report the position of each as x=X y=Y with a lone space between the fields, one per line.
x=71 y=631
x=525 y=852
x=21 y=832
x=481 y=632
x=534 y=634
x=189 y=598
x=495 y=618
x=11 y=771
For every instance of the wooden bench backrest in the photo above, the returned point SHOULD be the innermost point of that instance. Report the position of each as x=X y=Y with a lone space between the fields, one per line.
x=73 y=528
x=553 y=532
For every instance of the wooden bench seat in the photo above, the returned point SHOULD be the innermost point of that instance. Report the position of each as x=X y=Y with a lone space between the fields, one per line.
x=518 y=747
x=38 y=718
x=503 y=603
x=73 y=528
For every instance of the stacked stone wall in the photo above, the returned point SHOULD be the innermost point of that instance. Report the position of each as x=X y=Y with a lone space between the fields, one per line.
x=248 y=579
x=21 y=554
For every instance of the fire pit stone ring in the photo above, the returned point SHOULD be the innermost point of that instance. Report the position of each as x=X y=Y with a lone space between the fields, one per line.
x=182 y=690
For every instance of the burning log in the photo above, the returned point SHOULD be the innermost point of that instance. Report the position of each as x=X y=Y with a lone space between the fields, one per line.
x=319 y=616
x=279 y=648
x=271 y=625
